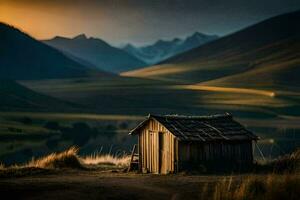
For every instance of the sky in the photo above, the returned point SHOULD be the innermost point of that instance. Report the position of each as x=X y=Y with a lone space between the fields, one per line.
x=137 y=21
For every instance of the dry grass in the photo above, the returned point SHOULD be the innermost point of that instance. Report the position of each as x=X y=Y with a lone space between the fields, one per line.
x=106 y=160
x=287 y=164
x=258 y=188
x=2 y=166
x=66 y=159
x=283 y=183
x=70 y=159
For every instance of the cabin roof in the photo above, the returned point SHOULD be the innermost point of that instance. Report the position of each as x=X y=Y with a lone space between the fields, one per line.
x=201 y=128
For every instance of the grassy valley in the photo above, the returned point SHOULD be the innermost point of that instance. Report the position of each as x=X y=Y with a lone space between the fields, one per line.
x=255 y=81
x=137 y=99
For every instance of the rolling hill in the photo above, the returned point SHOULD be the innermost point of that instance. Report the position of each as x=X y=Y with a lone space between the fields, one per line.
x=15 y=97
x=163 y=49
x=96 y=52
x=251 y=73
x=265 y=55
x=23 y=58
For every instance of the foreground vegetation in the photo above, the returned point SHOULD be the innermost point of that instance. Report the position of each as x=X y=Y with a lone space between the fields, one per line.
x=282 y=183
x=68 y=159
x=277 y=179
x=270 y=187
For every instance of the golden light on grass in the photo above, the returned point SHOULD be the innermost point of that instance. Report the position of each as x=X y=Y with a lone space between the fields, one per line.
x=229 y=90
x=72 y=116
x=2 y=166
x=158 y=70
x=65 y=159
x=258 y=187
x=70 y=159
x=108 y=159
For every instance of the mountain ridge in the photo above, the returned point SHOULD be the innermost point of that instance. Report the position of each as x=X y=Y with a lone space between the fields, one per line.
x=97 y=52
x=163 y=49
x=22 y=57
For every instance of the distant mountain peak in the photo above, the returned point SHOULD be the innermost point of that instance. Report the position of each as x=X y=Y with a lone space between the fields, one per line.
x=25 y=58
x=200 y=36
x=176 y=40
x=163 y=49
x=59 y=38
x=160 y=41
x=98 y=53
x=129 y=46
x=80 y=37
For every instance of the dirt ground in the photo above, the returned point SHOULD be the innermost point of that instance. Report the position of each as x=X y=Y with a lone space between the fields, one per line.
x=105 y=185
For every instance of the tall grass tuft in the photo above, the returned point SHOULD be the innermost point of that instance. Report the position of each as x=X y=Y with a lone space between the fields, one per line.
x=65 y=159
x=2 y=166
x=288 y=163
x=70 y=159
x=259 y=188
x=282 y=183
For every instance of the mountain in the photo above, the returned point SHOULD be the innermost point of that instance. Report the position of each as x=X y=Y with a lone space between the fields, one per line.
x=163 y=49
x=22 y=57
x=264 y=55
x=97 y=52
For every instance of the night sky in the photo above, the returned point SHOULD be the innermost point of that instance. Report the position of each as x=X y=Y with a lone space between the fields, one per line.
x=137 y=21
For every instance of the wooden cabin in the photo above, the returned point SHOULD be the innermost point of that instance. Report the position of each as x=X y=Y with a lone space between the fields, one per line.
x=173 y=143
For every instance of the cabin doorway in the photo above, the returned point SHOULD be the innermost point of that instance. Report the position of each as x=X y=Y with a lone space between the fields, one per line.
x=161 y=152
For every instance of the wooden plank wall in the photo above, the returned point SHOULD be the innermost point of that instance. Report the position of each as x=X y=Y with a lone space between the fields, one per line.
x=149 y=148
x=218 y=151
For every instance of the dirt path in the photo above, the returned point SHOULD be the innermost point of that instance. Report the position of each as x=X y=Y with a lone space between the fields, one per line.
x=100 y=185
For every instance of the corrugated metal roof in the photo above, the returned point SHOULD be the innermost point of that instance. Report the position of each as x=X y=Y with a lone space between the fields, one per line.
x=201 y=128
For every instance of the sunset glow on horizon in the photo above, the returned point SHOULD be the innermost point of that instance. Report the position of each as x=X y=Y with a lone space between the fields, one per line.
x=43 y=22
x=136 y=21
